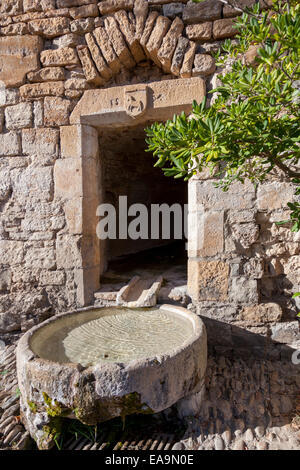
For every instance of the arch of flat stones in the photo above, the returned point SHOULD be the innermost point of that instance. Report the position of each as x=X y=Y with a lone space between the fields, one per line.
x=77 y=172
x=128 y=38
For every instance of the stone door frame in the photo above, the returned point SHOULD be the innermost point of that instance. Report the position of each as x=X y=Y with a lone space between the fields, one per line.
x=77 y=172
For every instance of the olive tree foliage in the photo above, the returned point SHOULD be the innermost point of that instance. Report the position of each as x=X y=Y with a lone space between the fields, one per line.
x=251 y=127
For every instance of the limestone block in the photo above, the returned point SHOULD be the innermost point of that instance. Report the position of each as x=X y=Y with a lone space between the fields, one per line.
x=110 y=6
x=291 y=266
x=9 y=96
x=60 y=57
x=38 y=5
x=149 y=25
x=274 y=195
x=73 y=94
x=188 y=60
x=35 y=222
x=254 y=268
x=35 y=183
x=200 y=12
x=172 y=10
x=140 y=11
x=47 y=74
x=80 y=214
x=244 y=290
x=107 y=50
x=90 y=251
x=72 y=178
x=68 y=255
x=12 y=252
x=82 y=26
x=245 y=234
x=39 y=257
x=79 y=142
x=87 y=283
x=204 y=65
x=205 y=233
x=18 y=56
x=274 y=267
x=50 y=27
x=5 y=280
x=224 y=28
x=208 y=280
x=68 y=178
x=166 y=51
x=241 y=216
x=38 y=90
x=40 y=141
x=200 y=31
x=1 y=119
x=11 y=7
x=73 y=3
x=68 y=40
x=238 y=197
x=281 y=233
x=178 y=55
x=18 y=116
x=56 y=111
x=97 y=57
x=287 y=332
x=261 y=314
x=159 y=31
x=117 y=40
x=52 y=278
x=93 y=106
x=5 y=20
x=76 y=84
x=15 y=29
x=128 y=31
x=10 y=144
x=84 y=11
x=90 y=71
x=5 y=187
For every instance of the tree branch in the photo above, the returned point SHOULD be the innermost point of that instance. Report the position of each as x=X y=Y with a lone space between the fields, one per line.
x=285 y=168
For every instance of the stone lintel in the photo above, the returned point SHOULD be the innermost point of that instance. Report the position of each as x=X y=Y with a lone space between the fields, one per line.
x=130 y=105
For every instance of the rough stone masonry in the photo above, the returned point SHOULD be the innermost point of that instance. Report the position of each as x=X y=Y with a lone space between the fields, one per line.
x=242 y=267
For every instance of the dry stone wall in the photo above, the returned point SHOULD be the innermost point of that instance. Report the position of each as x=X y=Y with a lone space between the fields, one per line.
x=242 y=268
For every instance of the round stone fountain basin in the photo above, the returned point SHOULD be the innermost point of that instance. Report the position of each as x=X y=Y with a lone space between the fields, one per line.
x=96 y=364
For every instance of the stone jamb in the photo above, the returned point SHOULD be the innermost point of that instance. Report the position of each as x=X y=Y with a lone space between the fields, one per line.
x=77 y=173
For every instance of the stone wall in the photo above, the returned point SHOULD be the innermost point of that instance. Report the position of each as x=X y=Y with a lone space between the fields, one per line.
x=242 y=267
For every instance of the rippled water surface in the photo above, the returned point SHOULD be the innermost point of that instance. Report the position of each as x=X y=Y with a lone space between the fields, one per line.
x=112 y=335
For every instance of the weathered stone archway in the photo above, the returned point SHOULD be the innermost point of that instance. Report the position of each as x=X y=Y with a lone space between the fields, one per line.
x=127 y=38
x=76 y=173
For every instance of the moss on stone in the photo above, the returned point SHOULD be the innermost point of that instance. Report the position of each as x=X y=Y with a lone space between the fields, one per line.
x=132 y=404
x=51 y=432
x=32 y=406
x=54 y=408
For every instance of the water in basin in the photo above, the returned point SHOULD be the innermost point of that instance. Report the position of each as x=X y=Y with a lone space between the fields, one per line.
x=112 y=335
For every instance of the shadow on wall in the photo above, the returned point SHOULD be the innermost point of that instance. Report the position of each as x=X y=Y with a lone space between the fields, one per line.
x=224 y=337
